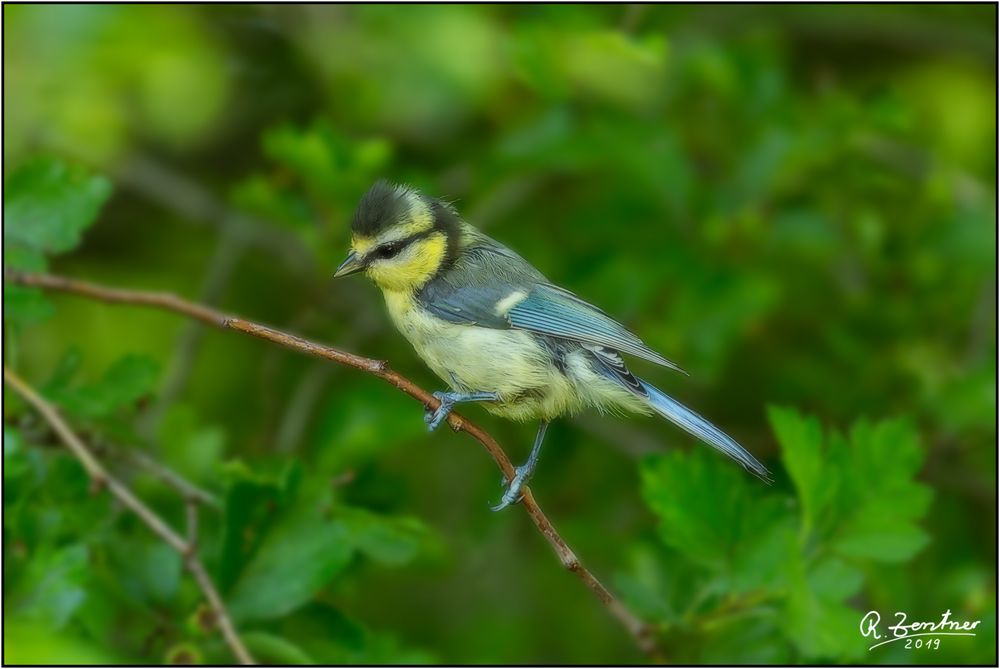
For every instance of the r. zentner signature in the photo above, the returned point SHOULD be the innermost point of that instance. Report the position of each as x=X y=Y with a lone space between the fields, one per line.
x=909 y=630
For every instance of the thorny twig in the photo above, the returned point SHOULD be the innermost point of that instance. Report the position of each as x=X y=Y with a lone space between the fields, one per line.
x=101 y=478
x=637 y=629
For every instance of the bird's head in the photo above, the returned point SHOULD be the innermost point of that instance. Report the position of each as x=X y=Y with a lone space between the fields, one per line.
x=400 y=238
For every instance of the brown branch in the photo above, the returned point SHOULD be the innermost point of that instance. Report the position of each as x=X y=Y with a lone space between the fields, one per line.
x=101 y=478
x=639 y=631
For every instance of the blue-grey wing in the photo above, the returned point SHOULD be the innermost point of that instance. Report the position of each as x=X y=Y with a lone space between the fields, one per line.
x=491 y=286
x=556 y=312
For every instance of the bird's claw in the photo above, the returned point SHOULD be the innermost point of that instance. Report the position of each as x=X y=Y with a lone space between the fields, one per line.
x=435 y=417
x=513 y=493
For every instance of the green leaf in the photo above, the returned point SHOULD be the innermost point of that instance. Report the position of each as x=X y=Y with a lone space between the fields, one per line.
x=47 y=205
x=249 y=510
x=801 y=440
x=25 y=259
x=312 y=153
x=29 y=642
x=128 y=380
x=834 y=580
x=356 y=428
x=330 y=637
x=861 y=487
x=881 y=538
x=879 y=501
x=762 y=563
x=24 y=305
x=391 y=540
x=812 y=614
x=887 y=453
x=57 y=506
x=281 y=548
x=709 y=510
x=299 y=556
x=23 y=475
x=12 y=444
x=54 y=585
x=326 y=633
x=253 y=503
x=822 y=629
x=258 y=195
x=67 y=367
x=192 y=448
x=17 y=461
x=749 y=641
x=658 y=585
x=696 y=502
x=148 y=569
x=272 y=649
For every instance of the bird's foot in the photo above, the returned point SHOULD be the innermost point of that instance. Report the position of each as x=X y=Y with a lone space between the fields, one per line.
x=434 y=418
x=513 y=493
x=448 y=401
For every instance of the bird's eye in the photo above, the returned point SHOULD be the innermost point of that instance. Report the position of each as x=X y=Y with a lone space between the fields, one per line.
x=388 y=250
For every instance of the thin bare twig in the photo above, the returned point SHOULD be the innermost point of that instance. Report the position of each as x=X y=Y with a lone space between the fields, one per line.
x=228 y=249
x=300 y=405
x=637 y=629
x=101 y=478
x=191 y=514
x=101 y=447
x=185 y=488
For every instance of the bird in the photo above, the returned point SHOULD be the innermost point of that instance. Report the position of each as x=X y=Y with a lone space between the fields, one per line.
x=498 y=332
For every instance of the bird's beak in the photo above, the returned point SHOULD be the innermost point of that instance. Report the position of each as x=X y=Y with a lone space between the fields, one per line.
x=351 y=265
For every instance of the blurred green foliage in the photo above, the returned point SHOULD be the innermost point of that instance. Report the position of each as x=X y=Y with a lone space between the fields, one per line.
x=761 y=559
x=797 y=203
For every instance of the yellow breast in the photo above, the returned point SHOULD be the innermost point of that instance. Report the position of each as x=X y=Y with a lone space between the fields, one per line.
x=471 y=358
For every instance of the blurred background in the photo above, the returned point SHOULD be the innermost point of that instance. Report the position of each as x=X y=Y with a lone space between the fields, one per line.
x=796 y=203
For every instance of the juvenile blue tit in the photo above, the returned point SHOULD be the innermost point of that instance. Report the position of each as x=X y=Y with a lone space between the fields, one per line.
x=497 y=331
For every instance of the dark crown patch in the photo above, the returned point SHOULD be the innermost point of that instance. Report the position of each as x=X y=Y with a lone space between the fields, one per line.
x=382 y=206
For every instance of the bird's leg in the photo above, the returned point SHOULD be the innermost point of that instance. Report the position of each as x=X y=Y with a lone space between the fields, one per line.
x=524 y=472
x=448 y=400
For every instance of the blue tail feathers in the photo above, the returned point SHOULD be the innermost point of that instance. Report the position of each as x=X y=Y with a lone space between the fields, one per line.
x=683 y=417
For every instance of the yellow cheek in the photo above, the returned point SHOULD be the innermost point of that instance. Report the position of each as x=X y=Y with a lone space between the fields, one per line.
x=415 y=269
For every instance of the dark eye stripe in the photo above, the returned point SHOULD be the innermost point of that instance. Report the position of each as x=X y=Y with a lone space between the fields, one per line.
x=388 y=250
x=392 y=249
